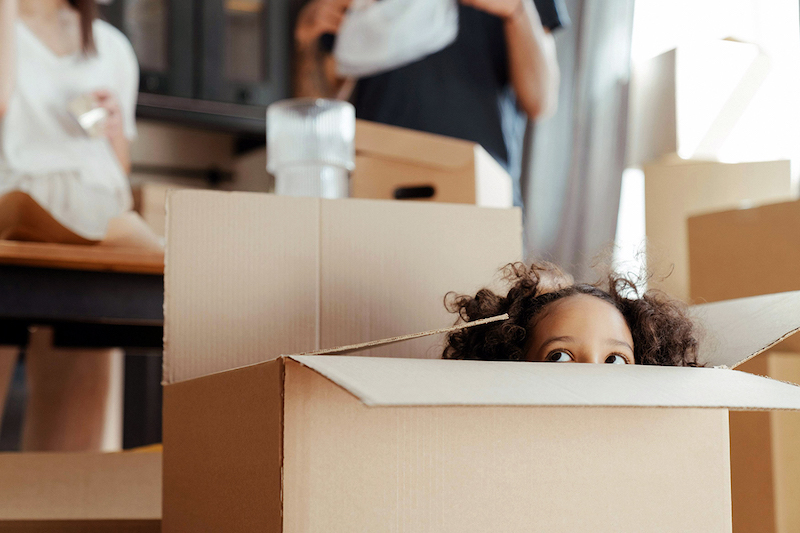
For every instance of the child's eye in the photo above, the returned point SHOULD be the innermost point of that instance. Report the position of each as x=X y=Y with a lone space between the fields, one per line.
x=615 y=359
x=558 y=356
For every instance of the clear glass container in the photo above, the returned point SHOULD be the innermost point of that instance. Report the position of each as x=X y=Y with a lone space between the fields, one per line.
x=310 y=147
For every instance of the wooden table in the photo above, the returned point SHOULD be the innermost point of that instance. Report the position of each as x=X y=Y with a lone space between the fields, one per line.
x=92 y=295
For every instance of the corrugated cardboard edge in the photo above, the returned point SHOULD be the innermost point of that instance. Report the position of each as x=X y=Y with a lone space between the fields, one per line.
x=767 y=347
x=343 y=350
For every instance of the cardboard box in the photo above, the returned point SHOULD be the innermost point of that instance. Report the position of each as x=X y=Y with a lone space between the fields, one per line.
x=765 y=460
x=343 y=443
x=80 y=492
x=398 y=163
x=746 y=252
x=250 y=276
x=688 y=101
x=676 y=191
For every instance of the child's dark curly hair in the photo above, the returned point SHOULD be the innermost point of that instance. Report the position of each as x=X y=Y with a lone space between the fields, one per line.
x=662 y=332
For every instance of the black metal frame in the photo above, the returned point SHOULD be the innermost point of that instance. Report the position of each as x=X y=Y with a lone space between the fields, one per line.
x=85 y=308
x=194 y=90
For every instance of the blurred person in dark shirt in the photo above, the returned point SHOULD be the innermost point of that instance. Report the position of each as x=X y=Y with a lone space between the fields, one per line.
x=500 y=69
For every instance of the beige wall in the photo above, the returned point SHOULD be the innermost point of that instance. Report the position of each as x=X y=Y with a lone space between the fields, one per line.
x=161 y=144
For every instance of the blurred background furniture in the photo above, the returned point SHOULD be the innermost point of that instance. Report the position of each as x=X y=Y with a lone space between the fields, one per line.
x=92 y=296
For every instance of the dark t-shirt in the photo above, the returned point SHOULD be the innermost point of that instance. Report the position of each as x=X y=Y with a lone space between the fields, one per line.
x=461 y=91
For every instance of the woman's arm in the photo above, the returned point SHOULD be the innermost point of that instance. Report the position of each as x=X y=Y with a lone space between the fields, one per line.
x=532 y=64
x=8 y=16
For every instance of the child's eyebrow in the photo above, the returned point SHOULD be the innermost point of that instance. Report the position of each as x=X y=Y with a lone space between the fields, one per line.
x=551 y=340
x=617 y=342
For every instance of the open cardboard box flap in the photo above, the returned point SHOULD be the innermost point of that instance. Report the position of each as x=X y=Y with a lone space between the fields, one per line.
x=382 y=381
x=419 y=147
x=734 y=332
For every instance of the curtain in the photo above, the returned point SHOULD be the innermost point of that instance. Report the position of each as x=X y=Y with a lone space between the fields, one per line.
x=572 y=169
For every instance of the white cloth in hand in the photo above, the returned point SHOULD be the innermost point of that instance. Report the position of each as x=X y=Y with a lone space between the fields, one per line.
x=380 y=36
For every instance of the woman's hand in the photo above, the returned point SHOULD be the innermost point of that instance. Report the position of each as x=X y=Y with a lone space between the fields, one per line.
x=317 y=18
x=114 y=127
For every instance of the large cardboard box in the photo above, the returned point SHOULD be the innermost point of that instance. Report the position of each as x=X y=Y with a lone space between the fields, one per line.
x=675 y=191
x=746 y=252
x=250 y=276
x=398 y=163
x=80 y=492
x=350 y=443
x=689 y=100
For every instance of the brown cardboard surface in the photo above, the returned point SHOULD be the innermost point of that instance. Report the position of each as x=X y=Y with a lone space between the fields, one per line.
x=753 y=491
x=458 y=171
x=758 y=246
x=379 y=381
x=403 y=144
x=674 y=192
x=733 y=331
x=240 y=276
x=251 y=276
x=505 y=469
x=81 y=488
x=765 y=459
x=81 y=526
x=785 y=450
x=222 y=451
x=746 y=252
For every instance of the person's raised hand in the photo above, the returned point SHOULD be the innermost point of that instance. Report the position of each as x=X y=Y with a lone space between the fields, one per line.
x=504 y=9
x=319 y=17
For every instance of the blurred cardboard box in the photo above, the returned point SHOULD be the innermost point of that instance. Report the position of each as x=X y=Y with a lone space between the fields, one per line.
x=746 y=252
x=341 y=443
x=80 y=492
x=675 y=191
x=150 y=201
x=404 y=164
x=688 y=101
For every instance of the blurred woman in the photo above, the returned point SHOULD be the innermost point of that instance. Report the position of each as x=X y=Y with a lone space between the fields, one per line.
x=57 y=63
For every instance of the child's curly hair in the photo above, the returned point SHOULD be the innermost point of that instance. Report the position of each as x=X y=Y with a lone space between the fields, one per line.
x=662 y=332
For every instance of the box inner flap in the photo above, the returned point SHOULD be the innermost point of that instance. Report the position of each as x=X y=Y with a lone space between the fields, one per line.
x=734 y=331
x=379 y=381
x=251 y=276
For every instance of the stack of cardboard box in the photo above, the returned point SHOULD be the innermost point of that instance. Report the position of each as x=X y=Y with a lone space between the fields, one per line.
x=686 y=104
x=257 y=441
x=747 y=252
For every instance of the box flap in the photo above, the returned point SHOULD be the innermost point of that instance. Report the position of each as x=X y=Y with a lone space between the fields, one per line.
x=379 y=381
x=251 y=276
x=428 y=149
x=737 y=330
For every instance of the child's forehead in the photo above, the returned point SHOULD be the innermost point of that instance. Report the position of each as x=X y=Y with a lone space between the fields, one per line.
x=579 y=307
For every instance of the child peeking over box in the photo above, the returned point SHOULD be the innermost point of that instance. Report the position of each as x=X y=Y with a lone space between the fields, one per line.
x=554 y=319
